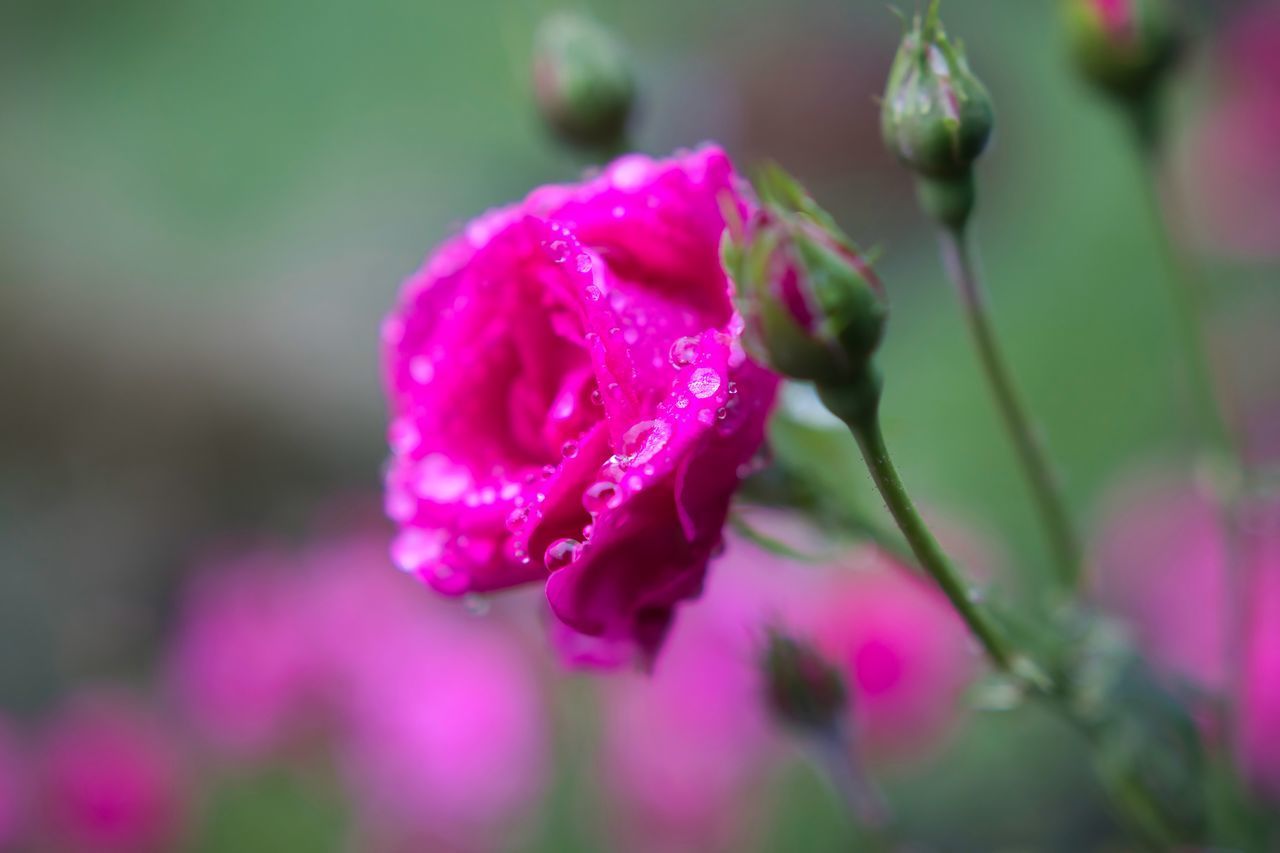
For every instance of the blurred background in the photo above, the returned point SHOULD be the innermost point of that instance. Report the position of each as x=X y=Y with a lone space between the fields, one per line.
x=205 y=210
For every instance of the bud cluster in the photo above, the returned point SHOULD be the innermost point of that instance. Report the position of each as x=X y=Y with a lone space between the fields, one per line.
x=813 y=308
x=936 y=115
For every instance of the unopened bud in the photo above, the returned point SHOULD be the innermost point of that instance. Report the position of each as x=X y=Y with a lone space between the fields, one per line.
x=582 y=81
x=802 y=689
x=936 y=116
x=1124 y=47
x=813 y=308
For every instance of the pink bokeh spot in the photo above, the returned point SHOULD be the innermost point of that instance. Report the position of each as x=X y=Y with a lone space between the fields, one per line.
x=110 y=778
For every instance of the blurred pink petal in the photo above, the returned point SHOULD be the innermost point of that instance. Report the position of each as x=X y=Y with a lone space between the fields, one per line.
x=109 y=778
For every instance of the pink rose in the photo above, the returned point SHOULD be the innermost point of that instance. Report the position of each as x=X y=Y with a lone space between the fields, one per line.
x=1158 y=562
x=242 y=665
x=904 y=652
x=441 y=750
x=569 y=399
x=109 y=778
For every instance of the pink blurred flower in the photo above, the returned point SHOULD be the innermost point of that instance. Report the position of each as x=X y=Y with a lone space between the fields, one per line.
x=12 y=778
x=441 y=749
x=242 y=664
x=570 y=402
x=685 y=747
x=906 y=655
x=1160 y=564
x=1260 y=703
x=1230 y=161
x=109 y=778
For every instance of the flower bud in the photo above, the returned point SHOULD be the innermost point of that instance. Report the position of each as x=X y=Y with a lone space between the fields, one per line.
x=582 y=81
x=813 y=308
x=802 y=689
x=1123 y=47
x=936 y=116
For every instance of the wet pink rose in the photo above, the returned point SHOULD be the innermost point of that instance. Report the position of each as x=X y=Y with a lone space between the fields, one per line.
x=444 y=751
x=570 y=403
x=12 y=781
x=242 y=663
x=109 y=778
x=906 y=656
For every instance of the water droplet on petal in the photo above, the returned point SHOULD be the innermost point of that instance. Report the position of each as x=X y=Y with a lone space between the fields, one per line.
x=684 y=351
x=518 y=518
x=559 y=251
x=422 y=369
x=414 y=549
x=583 y=262
x=704 y=382
x=561 y=553
x=644 y=440
x=569 y=449
x=732 y=388
x=404 y=436
x=597 y=398
x=600 y=496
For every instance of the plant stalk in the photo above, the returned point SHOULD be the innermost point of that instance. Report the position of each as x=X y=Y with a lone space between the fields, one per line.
x=1045 y=490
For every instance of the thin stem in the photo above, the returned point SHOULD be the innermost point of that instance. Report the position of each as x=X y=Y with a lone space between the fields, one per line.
x=1044 y=486
x=834 y=751
x=871 y=440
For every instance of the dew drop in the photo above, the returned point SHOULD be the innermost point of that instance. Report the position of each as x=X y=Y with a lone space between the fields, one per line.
x=583 y=262
x=569 y=449
x=559 y=251
x=704 y=382
x=422 y=369
x=732 y=388
x=706 y=416
x=404 y=436
x=518 y=518
x=683 y=351
x=600 y=496
x=722 y=413
x=597 y=398
x=561 y=553
x=635 y=483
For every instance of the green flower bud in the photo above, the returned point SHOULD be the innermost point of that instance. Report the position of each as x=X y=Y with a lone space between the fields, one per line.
x=936 y=116
x=1124 y=47
x=582 y=81
x=802 y=689
x=813 y=308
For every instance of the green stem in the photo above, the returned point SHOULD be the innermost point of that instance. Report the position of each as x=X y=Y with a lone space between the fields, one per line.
x=871 y=440
x=1044 y=487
